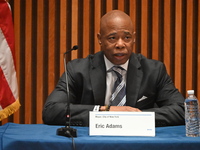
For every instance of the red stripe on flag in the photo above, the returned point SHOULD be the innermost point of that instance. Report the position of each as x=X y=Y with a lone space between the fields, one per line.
x=6 y=96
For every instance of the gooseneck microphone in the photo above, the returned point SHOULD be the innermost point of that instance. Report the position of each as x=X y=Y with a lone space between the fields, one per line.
x=75 y=47
x=67 y=130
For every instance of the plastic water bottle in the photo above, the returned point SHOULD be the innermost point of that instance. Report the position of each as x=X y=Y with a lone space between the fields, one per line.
x=199 y=118
x=191 y=115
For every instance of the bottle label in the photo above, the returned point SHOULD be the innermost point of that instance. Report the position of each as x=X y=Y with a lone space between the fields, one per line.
x=191 y=107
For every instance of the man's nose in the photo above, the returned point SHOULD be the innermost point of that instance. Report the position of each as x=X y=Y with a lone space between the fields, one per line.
x=120 y=43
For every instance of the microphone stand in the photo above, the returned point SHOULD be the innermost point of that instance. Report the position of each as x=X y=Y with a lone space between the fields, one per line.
x=67 y=130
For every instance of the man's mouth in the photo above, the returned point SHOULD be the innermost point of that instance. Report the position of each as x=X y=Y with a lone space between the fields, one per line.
x=119 y=55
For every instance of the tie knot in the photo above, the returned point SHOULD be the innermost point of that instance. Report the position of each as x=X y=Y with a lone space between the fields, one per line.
x=118 y=69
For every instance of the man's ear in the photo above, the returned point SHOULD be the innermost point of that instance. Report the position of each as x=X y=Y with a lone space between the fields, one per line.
x=99 y=38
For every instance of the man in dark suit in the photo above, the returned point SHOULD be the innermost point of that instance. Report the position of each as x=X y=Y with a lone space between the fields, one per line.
x=91 y=81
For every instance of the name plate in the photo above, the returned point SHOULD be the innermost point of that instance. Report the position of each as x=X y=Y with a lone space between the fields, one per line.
x=112 y=123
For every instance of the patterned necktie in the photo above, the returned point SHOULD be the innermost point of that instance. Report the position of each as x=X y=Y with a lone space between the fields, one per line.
x=118 y=97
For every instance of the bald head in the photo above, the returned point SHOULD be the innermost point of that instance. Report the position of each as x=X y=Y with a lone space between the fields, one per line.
x=115 y=16
x=116 y=36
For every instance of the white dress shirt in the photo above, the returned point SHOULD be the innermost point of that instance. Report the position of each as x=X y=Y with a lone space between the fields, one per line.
x=111 y=77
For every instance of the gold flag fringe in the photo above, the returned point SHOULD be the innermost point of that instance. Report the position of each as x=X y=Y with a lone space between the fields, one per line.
x=9 y=110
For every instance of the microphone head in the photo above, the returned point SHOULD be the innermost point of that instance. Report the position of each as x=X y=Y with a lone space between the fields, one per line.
x=75 y=47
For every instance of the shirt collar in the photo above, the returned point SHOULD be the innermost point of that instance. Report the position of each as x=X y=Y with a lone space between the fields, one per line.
x=109 y=65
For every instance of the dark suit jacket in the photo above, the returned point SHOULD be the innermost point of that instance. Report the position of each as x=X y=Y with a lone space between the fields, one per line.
x=87 y=85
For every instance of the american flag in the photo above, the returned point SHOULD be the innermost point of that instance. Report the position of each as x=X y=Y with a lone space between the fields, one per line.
x=9 y=98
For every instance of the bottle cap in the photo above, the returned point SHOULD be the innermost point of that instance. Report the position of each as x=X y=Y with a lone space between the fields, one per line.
x=190 y=91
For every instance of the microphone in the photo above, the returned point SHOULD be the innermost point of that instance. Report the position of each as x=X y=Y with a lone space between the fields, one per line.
x=67 y=130
x=75 y=47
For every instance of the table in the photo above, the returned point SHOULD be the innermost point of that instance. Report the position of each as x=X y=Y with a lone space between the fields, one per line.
x=39 y=136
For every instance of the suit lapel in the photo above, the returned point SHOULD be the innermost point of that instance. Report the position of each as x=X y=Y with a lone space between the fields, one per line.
x=98 y=78
x=134 y=78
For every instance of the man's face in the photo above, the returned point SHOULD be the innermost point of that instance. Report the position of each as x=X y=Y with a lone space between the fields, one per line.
x=116 y=40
